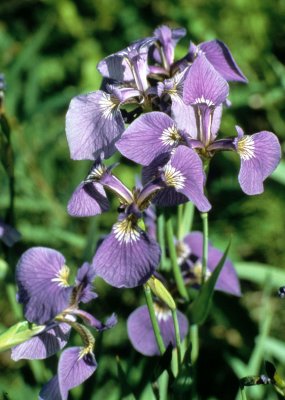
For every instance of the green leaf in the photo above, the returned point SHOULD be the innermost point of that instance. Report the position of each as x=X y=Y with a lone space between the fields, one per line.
x=184 y=381
x=260 y=273
x=200 y=307
x=18 y=333
x=126 y=390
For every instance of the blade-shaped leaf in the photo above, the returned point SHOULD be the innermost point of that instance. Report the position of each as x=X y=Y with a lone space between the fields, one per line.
x=18 y=333
x=201 y=305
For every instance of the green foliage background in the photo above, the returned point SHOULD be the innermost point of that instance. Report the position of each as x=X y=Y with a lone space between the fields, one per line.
x=48 y=52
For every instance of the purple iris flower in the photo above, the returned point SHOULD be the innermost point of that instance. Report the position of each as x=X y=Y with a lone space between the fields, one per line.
x=190 y=253
x=94 y=121
x=8 y=234
x=140 y=329
x=49 y=300
x=197 y=97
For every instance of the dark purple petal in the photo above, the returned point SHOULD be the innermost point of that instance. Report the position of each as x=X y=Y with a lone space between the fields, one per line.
x=148 y=136
x=228 y=281
x=41 y=278
x=260 y=154
x=184 y=172
x=74 y=368
x=44 y=345
x=87 y=200
x=117 y=187
x=8 y=234
x=84 y=283
x=50 y=390
x=220 y=57
x=141 y=334
x=93 y=125
x=127 y=257
x=204 y=85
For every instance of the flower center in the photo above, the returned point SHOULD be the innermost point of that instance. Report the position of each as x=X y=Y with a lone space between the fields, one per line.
x=245 y=147
x=173 y=177
x=125 y=231
x=62 y=276
x=107 y=105
x=170 y=136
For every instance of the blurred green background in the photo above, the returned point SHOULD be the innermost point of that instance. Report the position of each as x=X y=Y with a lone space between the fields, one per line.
x=48 y=52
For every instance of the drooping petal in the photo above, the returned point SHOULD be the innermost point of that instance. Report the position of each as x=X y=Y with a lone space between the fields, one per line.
x=88 y=199
x=220 y=57
x=141 y=334
x=148 y=136
x=44 y=345
x=84 y=284
x=184 y=172
x=41 y=276
x=260 y=154
x=93 y=125
x=51 y=391
x=204 y=85
x=127 y=257
x=8 y=234
x=74 y=368
x=228 y=281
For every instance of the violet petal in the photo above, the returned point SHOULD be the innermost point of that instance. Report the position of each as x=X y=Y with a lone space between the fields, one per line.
x=127 y=257
x=93 y=125
x=40 y=277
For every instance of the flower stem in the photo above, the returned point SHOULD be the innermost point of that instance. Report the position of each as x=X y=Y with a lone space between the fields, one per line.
x=155 y=326
x=173 y=257
x=177 y=337
x=204 y=217
x=243 y=395
x=161 y=239
x=194 y=338
x=185 y=220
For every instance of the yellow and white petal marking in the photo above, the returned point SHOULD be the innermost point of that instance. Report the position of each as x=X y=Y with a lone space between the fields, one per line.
x=170 y=136
x=202 y=100
x=125 y=231
x=62 y=276
x=107 y=105
x=161 y=313
x=183 y=251
x=197 y=271
x=173 y=177
x=96 y=173
x=245 y=147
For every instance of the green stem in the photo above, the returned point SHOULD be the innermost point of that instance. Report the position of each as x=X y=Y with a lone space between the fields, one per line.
x=187 y=220
x=161 y=239
x=243 y=395
x=180 y=222
x=173 y=257
x=194 y=338
x=177 y=337
x=204 y=217
x=155 y=326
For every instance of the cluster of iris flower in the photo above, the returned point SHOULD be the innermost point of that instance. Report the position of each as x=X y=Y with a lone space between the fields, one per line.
x=163 y=114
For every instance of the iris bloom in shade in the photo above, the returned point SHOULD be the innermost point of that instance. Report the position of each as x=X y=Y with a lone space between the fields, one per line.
x=189 y=255
x=8 y=234
x=48 y=299
x=140 y=329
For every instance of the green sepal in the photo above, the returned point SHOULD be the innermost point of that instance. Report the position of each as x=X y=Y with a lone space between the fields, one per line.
x=160 y=291
x=200 y=307
x=19 y=333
